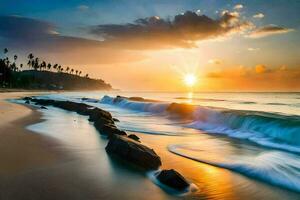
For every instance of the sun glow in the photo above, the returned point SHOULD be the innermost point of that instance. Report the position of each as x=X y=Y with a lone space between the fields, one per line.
x=190 y=80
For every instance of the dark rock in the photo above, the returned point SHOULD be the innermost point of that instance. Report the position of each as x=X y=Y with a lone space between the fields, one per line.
x=108 y=129
x=133 y=152
x=27 y=98
x=134 y=137
x=27 y=102
x=116 y=120
x=173 y=179
x=43 y=107
x=98 y=113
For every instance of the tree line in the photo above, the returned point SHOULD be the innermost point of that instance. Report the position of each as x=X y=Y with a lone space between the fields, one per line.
x=9 y=68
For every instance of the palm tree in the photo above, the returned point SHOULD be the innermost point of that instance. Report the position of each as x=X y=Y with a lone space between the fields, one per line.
x=72 y=70
x=68 y=68
x=30 y=61
x=49 y=66
x=43 y=65
x=79 y=73
x=58 y=68
x=55 y=66
x=5 y=50
x=21 y=66
x=15 y=57
x=87 y=75
x=36 y=65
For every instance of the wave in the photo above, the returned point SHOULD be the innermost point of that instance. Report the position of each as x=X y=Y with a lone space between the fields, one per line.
x=266 y=129
x=278 y=168
x=143 y=106
x=199 y=99
x=215 y=100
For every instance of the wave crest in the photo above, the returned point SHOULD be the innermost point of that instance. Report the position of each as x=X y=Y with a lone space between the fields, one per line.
x=267 y=129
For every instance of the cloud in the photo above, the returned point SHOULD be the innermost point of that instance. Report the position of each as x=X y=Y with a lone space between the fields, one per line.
x=83 y=7
x=31 y=35
x=253 y=49
x=246 y=78
x=238 y=6
x=21 y=27
x=258 y=16
x=184 y=30
x=215 y=61
x=214 y=75
x=269 y=30
x=260 y=69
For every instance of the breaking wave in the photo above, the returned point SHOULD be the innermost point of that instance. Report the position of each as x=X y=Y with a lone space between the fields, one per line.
x=266 y=129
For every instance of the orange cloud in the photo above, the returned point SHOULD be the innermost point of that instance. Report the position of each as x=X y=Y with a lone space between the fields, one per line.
x=260 y=69
x=184 y=30
x=269 y=30
x=255 y=78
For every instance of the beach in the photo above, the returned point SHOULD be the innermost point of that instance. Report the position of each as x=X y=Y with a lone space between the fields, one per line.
x=60 y=155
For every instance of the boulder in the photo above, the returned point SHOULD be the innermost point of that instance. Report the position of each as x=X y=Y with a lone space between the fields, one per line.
x=108 y=129
x=173 y=179
x=116 y=120
x=134 y=137
x=27 y=98
x=98 y=113
x=133 y=152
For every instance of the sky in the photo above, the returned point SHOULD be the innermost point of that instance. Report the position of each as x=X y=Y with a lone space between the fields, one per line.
x=249 y=45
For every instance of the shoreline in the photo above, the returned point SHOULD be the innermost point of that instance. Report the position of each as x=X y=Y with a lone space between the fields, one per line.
x=71 y=178
x=21 y=148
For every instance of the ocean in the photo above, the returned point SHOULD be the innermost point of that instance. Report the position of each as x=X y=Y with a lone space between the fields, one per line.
x=253 y=135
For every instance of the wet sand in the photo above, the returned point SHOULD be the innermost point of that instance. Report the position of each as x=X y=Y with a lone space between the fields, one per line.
x=31 y=165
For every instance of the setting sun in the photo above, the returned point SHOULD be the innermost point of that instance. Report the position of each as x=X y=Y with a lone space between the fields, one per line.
x=190 y=79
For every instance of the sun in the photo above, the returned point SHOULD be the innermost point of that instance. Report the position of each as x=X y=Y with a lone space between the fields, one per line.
x=190 y=80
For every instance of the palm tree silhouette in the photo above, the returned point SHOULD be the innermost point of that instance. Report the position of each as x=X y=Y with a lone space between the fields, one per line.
x=58 y=68
x=49 y=66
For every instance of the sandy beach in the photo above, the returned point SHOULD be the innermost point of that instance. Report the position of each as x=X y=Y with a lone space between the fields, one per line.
x=20 y=149
x=31 y=165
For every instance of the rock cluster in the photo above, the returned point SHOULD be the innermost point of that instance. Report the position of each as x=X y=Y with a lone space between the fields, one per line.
x=127 y=148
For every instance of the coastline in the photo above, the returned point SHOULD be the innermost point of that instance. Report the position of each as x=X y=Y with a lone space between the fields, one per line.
x=52 y=174
x=20 y=148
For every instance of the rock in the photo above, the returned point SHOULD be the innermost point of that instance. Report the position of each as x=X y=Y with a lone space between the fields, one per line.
x=173 y=179
x=108 y=129
x=133 y=152
x=116 y=120
x=27 y=98
x=43 y=107
x=134 y=137
x=27 y=102
x=98 y=113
